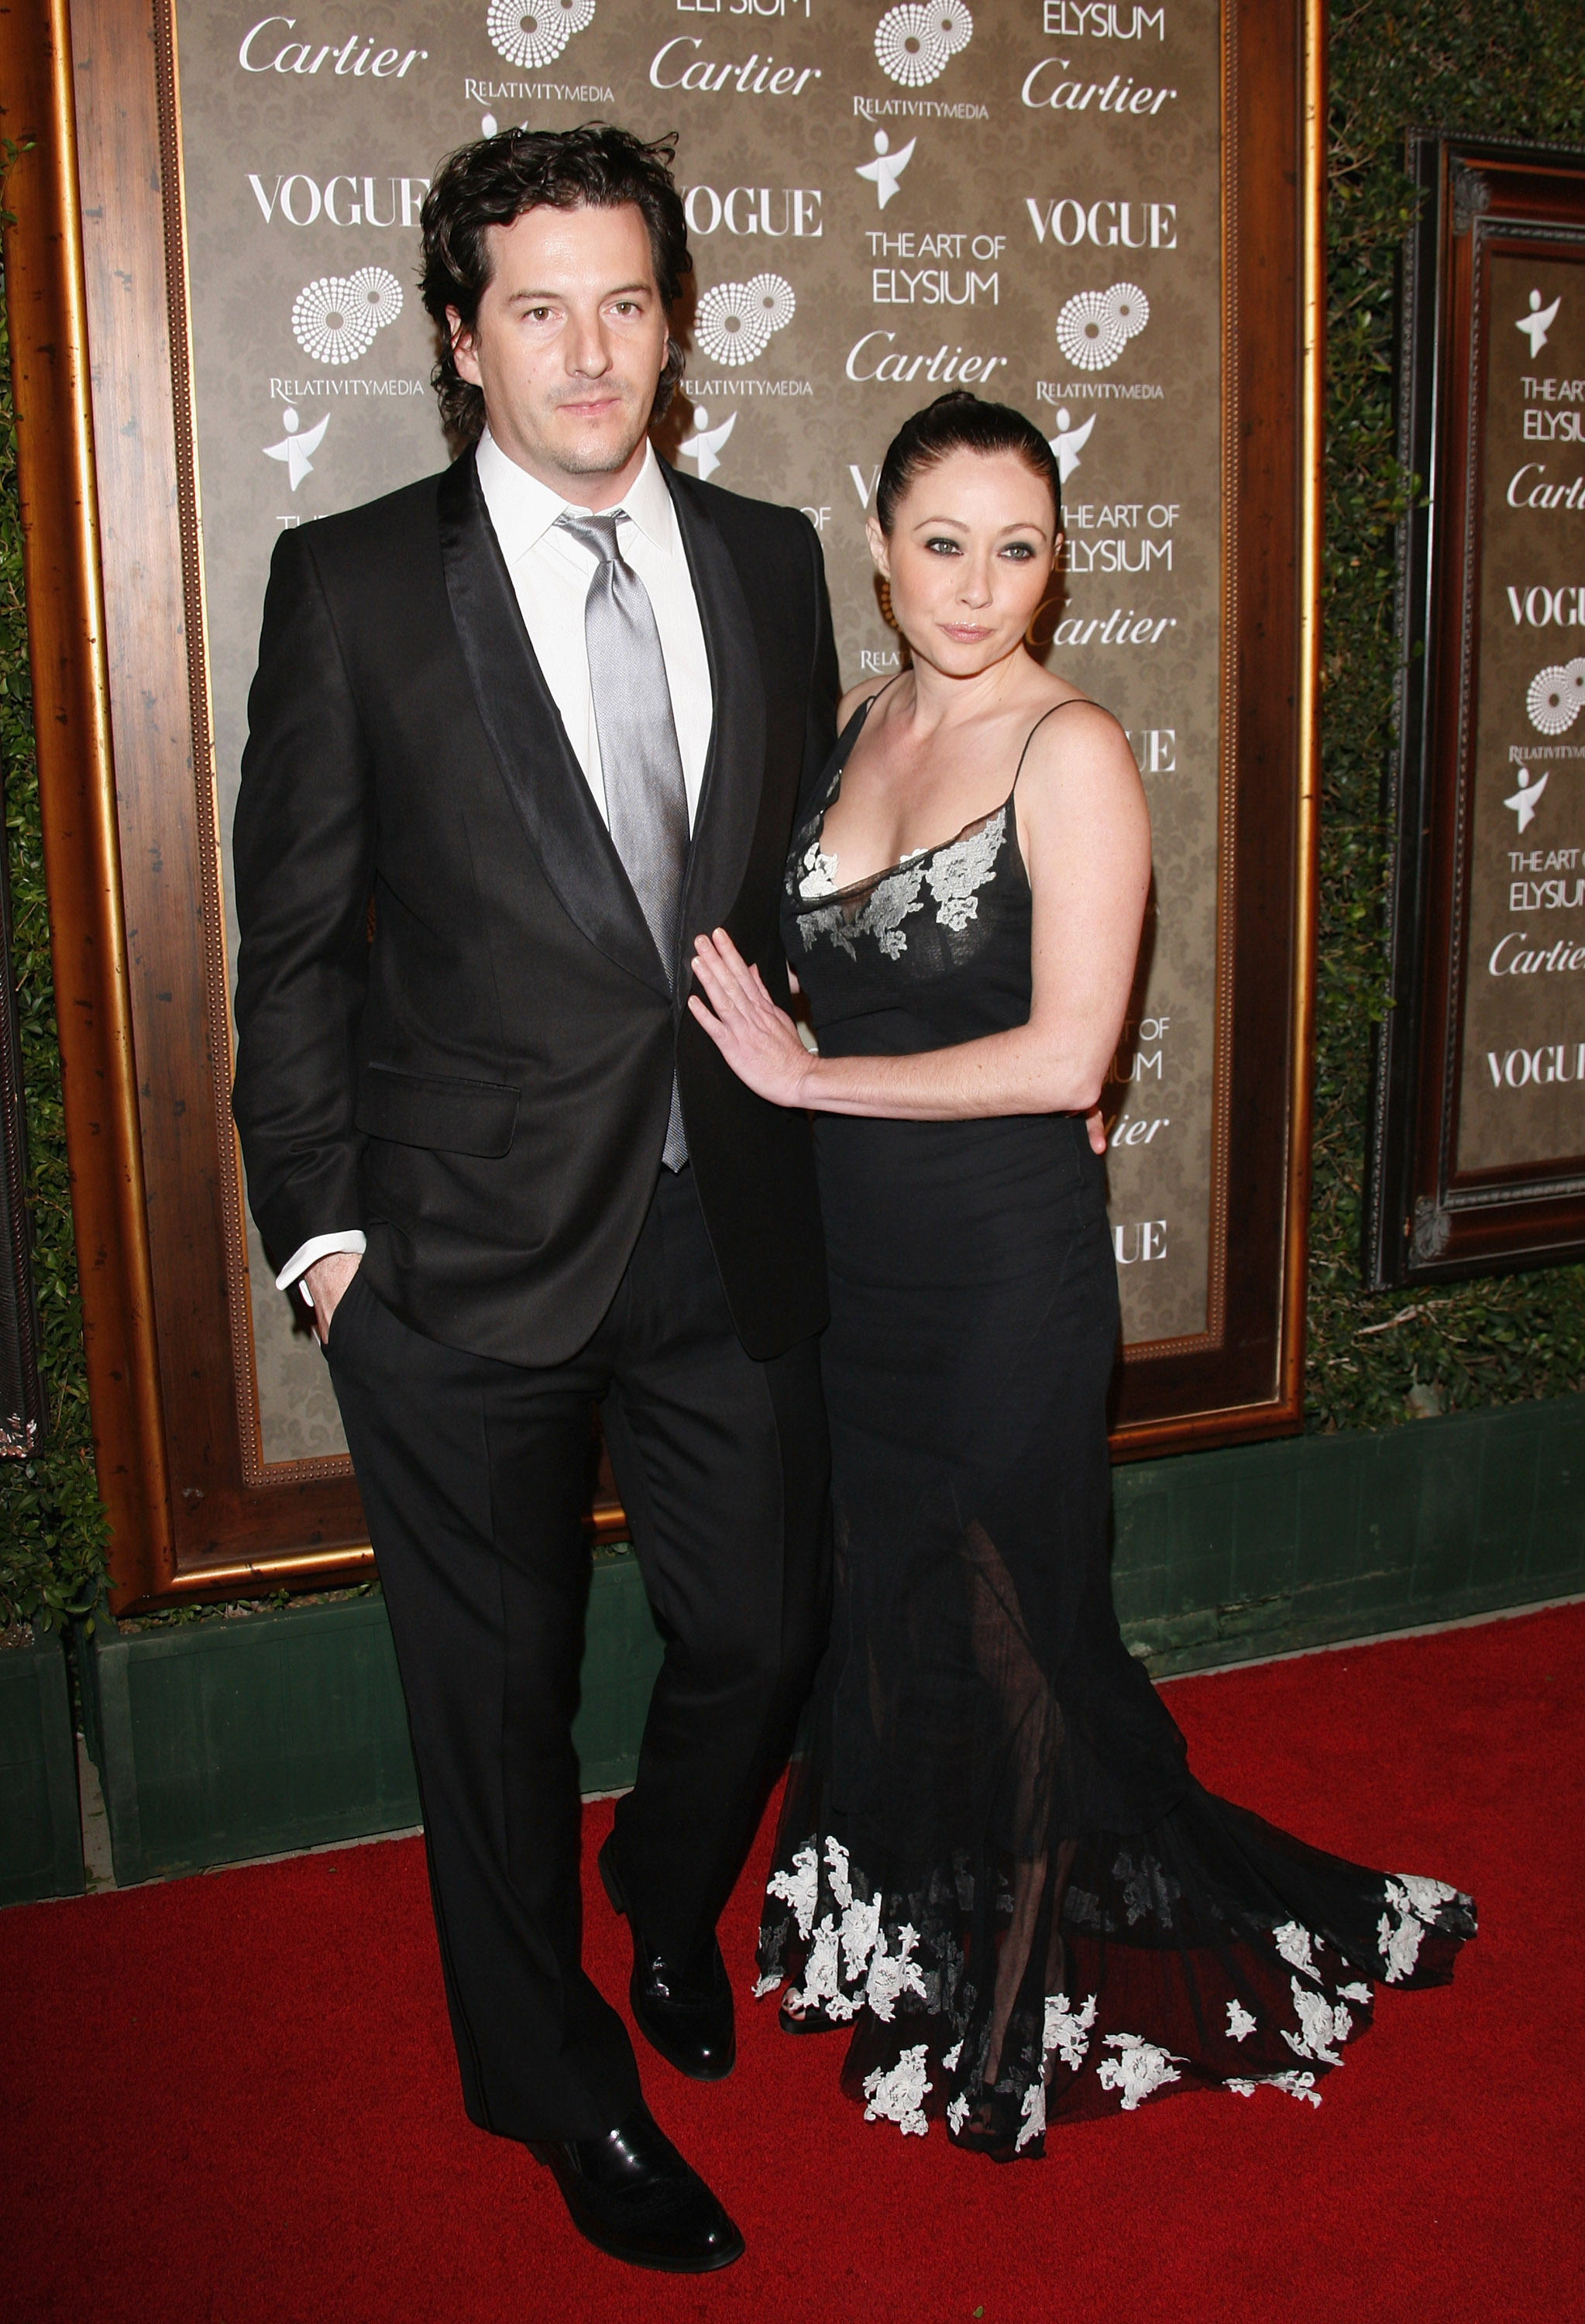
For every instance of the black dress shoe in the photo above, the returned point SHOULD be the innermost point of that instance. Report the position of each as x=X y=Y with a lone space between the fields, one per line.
x=687 y=2015
x=632 y=2195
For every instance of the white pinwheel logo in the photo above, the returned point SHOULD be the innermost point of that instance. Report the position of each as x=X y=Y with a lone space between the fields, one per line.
x=1557 y=695
x=335 y=319
x=912 y=44
x=1095 y=326
x=735 y=320
x=534 y=33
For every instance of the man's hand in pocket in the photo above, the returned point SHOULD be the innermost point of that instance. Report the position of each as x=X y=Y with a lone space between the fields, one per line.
x=327 y=1280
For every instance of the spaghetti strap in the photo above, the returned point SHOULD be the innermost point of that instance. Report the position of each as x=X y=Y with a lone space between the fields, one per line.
x=870 y=700
x=1040 y=722
x=858 y=722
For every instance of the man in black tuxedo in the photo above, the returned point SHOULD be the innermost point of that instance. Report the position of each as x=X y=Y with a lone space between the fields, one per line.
x=549 y=715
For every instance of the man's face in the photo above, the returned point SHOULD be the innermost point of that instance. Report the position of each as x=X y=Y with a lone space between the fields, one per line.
x=567 y=347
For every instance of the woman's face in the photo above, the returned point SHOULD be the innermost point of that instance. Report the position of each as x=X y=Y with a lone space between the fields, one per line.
x=969 y=558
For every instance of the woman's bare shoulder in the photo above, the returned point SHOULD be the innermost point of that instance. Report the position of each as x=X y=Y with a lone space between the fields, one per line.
x=1077 y=734
x=1080 y=785
x=851 y=700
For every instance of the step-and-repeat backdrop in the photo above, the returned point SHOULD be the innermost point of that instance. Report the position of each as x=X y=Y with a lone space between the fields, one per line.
x=1019 y=196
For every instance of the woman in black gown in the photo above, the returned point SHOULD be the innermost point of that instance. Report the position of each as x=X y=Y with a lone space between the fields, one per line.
x=994 y=1868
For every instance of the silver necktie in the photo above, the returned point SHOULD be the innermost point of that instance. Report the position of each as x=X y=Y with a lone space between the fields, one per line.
x=646 y=802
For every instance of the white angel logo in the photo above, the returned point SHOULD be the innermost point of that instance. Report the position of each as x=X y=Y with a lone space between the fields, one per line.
x=706 y=445
x=1523 y=799
x=913 y=45
x=1095 y=326
x=735 y=321
x=534 y=33
x=1557 y=695
x=1069 y=441
x=1536 y=324
x=335 y=319
x=294 y=448
x=885 y=171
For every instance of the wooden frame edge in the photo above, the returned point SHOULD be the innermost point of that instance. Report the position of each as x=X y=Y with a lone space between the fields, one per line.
x=77 y=789
x=1283 y=1413
x=1307 y=830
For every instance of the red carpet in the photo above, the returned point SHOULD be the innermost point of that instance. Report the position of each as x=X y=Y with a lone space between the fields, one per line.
x=231 y=2099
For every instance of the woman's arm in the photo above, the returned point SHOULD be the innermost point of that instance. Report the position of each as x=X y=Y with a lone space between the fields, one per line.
x=1086 y=834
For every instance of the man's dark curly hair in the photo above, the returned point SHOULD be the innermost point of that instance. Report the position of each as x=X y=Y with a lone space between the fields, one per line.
x=495 y=181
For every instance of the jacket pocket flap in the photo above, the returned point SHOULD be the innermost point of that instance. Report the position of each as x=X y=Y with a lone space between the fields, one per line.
x=454 y=1117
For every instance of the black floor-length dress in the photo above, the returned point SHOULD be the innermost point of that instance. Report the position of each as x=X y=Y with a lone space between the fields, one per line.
x=993 y=1861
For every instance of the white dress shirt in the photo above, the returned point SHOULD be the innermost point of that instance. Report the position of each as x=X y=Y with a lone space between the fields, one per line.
x=551 y=573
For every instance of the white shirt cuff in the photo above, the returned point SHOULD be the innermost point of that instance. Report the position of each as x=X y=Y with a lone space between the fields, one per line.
x=317 y=1247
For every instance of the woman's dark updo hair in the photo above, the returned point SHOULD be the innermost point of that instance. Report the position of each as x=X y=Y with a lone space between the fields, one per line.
x=960 y=422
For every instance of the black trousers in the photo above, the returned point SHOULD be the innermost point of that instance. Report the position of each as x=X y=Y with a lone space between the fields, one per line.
x=475 y=1477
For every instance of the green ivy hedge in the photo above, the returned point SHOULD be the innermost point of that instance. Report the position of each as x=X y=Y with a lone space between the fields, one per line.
x=1486 y=67
x=1491 y=68
x=52 y=1531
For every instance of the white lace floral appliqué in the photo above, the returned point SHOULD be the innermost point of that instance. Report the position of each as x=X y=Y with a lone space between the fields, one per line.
x=1320 y=2025
x=1034 y=2112
x=954 y=874
x=817 y=872
x=1084 y=1911
x=889 y=906
x=846 y=1954
x=1295 y=1945
x=1295 y=2086
x=900 y=2096
x=822 y=1987
x=892 y=1974
x=861 y=1920
x=1427 y=1896
x=1146 y=1888
x=1418 y=1903
x=1239 y=2023
x=890 y=903
x=959 y=869
x=1140 y=2071
x=800 y=1887
x=1066 y=2032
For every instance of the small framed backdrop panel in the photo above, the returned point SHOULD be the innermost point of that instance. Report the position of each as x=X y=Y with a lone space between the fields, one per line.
x=1478 y=1158
x=1109 y=216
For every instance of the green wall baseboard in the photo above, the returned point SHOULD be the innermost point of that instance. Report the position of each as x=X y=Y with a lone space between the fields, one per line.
x=1261 y=1549
x=223 y=1739
x=40 y=1830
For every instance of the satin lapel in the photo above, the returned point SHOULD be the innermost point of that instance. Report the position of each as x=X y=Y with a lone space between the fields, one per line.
x=524 y=728
x=734 y=771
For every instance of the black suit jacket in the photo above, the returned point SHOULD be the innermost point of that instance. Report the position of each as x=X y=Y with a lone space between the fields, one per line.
x=482 y=1086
